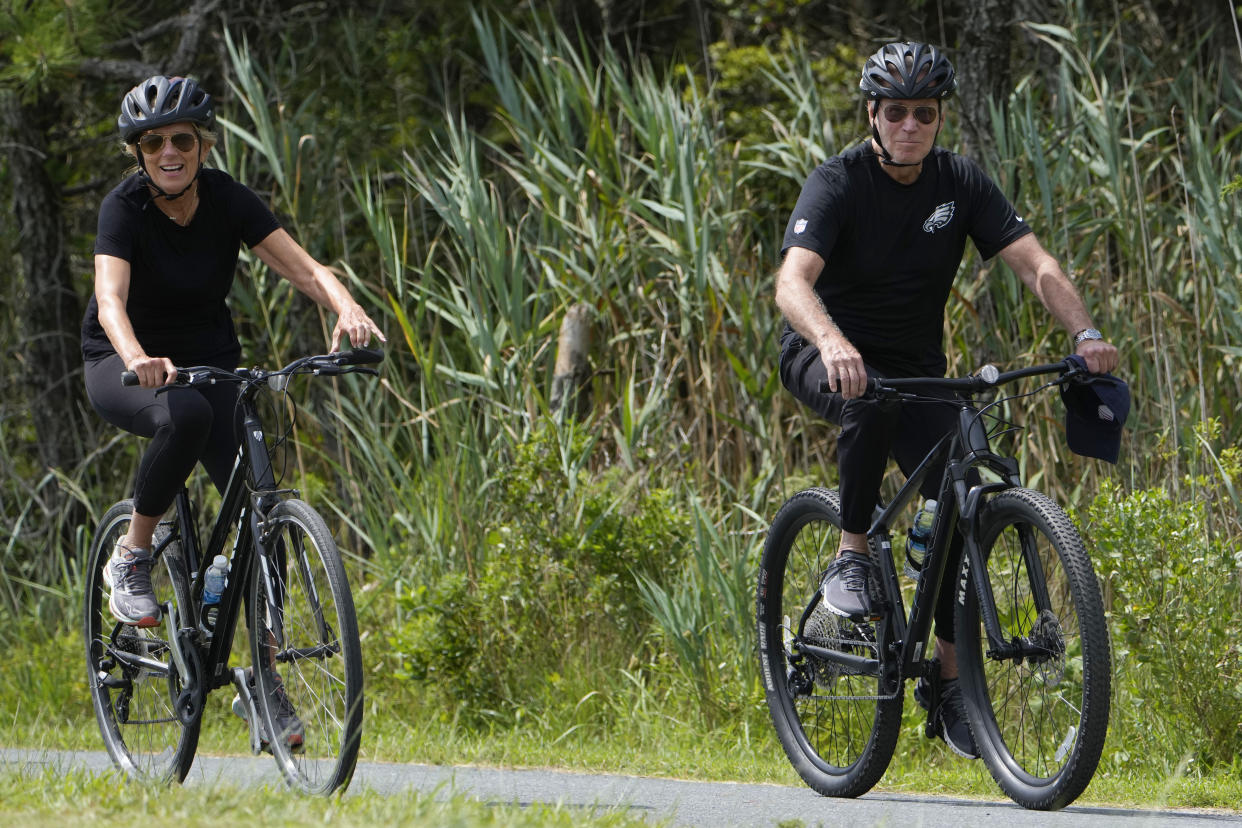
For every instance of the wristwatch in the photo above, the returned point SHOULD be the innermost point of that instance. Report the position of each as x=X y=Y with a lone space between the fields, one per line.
x=1085 y=334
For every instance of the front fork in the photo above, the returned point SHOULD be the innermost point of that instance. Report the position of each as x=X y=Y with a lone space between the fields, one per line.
x=266 y=543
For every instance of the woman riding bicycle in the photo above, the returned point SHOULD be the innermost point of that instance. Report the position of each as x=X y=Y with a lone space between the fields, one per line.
x=166 y=252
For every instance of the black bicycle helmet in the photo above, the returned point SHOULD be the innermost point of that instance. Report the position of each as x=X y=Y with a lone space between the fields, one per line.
x=908 y=70
x=159 y=101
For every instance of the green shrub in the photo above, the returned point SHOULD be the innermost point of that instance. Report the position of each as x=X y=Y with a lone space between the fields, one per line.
x=558 y=575
x=1171 y=581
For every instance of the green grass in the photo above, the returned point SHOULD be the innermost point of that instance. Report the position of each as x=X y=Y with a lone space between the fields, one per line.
x=53 y=798
x=401 y=727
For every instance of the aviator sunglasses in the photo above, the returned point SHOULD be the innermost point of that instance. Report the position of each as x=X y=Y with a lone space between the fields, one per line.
x=896 y=113
x=153 y=142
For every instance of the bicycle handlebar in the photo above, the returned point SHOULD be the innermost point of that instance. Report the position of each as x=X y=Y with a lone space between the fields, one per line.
x=989 y=376
x=337 y=362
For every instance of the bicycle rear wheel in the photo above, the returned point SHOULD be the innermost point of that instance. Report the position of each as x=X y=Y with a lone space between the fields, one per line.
x=302 y=623
x=1040 y=712
x=838 y=726
x=132 y=680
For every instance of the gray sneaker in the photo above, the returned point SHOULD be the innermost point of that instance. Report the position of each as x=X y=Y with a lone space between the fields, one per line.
x=287 y=722
x=846 y=585
x=128 y=575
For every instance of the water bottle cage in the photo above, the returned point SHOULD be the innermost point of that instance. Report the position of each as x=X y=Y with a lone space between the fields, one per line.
x=208 y=614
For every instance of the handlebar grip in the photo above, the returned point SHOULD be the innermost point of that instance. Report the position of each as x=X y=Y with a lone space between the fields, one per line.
x=870 y=389
x=129 y=378
x=359 y=356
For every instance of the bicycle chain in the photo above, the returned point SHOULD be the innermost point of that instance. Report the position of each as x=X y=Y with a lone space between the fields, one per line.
x=889 y=697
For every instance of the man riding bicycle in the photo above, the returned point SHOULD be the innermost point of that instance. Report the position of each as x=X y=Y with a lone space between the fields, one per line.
x=870 y=254
x=166 y=251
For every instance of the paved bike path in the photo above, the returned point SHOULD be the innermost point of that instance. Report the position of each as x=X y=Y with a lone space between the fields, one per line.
x=681 y=802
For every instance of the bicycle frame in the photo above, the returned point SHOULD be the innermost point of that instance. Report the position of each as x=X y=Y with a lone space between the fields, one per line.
x=250 y=493
x=961 y=452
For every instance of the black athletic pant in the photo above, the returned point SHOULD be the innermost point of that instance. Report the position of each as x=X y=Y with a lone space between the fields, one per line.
x=871 y=430
x=186 y=425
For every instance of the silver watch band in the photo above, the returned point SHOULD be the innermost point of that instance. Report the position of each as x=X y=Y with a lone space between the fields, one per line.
x=1085 y=334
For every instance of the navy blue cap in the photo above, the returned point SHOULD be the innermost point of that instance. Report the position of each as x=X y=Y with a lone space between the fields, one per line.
x=1096 y=408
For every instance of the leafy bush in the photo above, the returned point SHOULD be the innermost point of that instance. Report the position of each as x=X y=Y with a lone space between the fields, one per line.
x=1171 y=579
x=559 y=575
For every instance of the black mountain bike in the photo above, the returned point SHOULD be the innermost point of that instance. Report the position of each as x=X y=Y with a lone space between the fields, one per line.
x=1032 y=645
x=149 y=685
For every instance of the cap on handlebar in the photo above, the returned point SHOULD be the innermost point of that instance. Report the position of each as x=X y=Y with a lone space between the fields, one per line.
x=129 y=378
x=1096 y=408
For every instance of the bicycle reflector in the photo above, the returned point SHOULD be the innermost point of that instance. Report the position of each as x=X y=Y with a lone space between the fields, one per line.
x=1096 y=408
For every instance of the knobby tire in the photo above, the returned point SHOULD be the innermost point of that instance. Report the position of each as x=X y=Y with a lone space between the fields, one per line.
x=1040 y=721
x=839 y=737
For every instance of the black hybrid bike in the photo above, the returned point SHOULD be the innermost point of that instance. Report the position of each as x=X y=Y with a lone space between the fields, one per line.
x=149 y=685
x=1032 y=645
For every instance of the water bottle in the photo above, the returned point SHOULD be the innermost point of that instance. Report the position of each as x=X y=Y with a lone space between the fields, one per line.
x=919 y=536
x=214 y=581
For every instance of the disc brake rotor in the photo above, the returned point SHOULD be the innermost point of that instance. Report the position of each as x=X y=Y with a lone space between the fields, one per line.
x=1048 y=642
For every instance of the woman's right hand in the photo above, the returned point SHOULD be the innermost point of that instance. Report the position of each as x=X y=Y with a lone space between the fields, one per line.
x=153 y=371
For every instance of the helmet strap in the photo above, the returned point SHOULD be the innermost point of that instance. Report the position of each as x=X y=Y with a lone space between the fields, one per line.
x=160 y=191
x=886 y=157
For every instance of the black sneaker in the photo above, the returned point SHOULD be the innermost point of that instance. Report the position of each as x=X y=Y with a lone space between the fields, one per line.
x=949 y=719
x=846 y=585
x=128 y=575
x=288 y=725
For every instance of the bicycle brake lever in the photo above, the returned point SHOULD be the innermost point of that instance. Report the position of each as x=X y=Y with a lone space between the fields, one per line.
x=183 y=380
x=1072 y=375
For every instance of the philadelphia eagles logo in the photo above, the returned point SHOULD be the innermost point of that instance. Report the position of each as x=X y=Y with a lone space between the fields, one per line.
x=940 y=217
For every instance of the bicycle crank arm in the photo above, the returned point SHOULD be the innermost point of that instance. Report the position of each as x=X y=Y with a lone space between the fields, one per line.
x=246 y=695
x=188 y=701
x=855 y=664
x=174 y=644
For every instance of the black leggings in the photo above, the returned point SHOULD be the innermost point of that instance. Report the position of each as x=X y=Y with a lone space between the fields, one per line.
x=186 y=425
x=871 y=430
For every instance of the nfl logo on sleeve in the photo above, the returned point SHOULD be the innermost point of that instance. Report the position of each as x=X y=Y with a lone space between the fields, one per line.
x=799 y=225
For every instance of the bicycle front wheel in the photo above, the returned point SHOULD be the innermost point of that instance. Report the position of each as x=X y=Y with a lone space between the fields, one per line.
x=837 y=724
x=133 y=682
x=308 y=660
x=1038 y=703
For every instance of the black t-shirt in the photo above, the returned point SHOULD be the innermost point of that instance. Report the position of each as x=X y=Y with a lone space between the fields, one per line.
x=892 y=250
x=179 y=276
